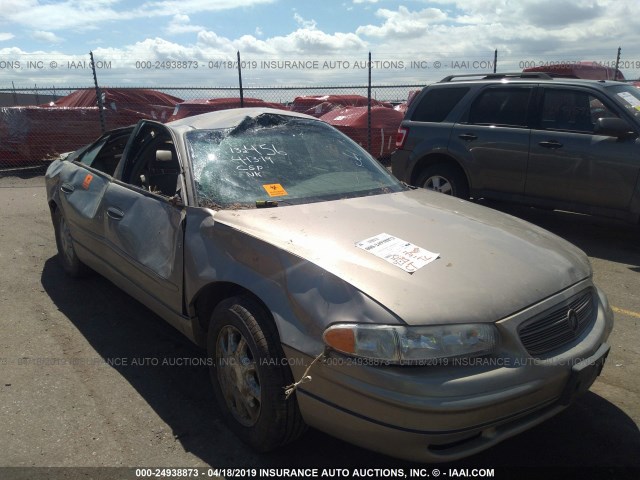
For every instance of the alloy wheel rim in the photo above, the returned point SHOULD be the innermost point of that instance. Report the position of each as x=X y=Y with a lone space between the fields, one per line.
x=439 y=184
x=238 y=376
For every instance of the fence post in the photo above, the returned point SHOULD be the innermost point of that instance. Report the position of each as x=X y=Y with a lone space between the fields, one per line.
x=615 y=72
x=240 y=81
x=369 y=108
x=35 y=90
x=98 y=95
x=495 y=60
x=15 y=94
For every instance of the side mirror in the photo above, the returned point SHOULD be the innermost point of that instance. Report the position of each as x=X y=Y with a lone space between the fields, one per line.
x=164 y=156
x=614 y=127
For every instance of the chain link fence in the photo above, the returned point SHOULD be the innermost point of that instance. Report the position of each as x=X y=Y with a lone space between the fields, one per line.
x=37 y=125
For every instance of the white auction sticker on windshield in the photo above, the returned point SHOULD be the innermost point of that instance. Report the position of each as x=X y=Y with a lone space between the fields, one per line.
x=398 y=252
x=630 y=99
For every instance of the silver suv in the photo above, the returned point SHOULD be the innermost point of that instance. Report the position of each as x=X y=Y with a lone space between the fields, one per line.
x=543 y=141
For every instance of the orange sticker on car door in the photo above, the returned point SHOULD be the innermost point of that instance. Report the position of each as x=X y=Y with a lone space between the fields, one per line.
x=87 y=181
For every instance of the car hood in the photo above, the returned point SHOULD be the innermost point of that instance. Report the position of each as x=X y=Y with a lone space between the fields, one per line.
x=491 y=264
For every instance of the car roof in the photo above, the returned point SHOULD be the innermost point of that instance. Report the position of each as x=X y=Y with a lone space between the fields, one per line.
x=523 y=77
x=230 y=118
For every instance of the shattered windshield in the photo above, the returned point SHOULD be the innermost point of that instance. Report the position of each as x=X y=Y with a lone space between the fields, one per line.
x=281 y=160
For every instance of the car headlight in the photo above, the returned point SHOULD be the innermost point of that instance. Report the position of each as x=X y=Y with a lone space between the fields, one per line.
x=408 y=344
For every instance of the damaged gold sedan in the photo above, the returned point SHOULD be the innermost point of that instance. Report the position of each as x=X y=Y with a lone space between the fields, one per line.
x=326 y=292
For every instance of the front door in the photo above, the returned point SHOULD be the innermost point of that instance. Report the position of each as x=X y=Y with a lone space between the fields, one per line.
x=569 y=163
x=143 y=219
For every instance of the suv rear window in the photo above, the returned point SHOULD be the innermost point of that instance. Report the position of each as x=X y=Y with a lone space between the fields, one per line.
x=501 y=106
x=437 y=103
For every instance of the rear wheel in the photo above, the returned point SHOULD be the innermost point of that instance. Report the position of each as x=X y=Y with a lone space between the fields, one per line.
x=249 y=374
x=444 y=178
x=66 y=251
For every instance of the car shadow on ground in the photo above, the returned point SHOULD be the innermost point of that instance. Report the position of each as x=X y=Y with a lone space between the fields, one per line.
x=591 y=432
x=605 y=238
x=24 y=172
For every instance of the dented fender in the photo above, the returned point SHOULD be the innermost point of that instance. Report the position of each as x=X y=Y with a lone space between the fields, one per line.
x=303 y=298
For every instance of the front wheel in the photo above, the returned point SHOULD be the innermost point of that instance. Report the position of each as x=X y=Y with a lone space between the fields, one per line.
x=249 y=374
x=444 y=178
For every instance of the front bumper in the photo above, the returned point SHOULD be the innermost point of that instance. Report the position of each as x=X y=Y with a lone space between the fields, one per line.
x=443 y=413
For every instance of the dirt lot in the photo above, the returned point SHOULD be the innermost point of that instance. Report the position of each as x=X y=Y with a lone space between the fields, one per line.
x=69 y=395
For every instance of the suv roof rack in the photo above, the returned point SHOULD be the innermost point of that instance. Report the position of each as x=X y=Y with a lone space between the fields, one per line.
x=496 y=76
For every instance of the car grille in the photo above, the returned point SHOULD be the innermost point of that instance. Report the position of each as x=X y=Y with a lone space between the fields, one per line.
x=559 y=325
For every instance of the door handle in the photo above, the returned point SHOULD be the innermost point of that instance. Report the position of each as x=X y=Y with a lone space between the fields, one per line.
x=67 y=188
x=550 y=144
x=115 y=213
x=467 y=136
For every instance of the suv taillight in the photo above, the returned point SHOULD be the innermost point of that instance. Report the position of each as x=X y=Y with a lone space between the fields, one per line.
x=401 y=136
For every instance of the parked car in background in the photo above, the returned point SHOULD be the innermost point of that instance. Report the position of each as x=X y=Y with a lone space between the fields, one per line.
x=35 y=134
x=318 y=105
x=586 y=70
x=526 y=137
x=432 y=328
x=355 y=123
x=188 y=108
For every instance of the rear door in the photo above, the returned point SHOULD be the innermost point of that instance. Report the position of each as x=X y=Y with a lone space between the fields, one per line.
x=143 y=218
x=493 y=138
x=569 y=163
x=83 y=183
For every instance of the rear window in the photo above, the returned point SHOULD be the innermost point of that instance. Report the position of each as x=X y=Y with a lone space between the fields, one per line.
x=436 y=104
x=501 y=106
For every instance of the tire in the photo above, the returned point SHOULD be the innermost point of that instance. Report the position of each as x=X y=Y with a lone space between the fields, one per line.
x=444 y=178
x=66 y=251
x=249 y=375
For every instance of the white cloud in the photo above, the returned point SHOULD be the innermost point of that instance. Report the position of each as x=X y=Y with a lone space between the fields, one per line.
x=403 y=22
x=174 y=7
x=47 y=37
x=82 y=14
x=306 y=40
x=180 y=24
x=584 y=28
x=564 y=13
x=312 y=40
x=156 y=49
x=209 y=40
x=308 y=24
x=91 y=14
x=248 y=44
x=444 y=30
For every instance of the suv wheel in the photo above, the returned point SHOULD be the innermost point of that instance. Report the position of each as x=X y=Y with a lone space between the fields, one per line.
x=444 y=178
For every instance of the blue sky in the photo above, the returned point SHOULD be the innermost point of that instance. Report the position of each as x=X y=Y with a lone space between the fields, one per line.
x=418 y=35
